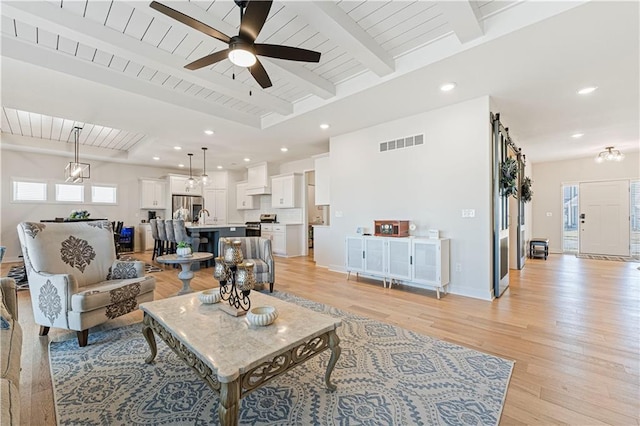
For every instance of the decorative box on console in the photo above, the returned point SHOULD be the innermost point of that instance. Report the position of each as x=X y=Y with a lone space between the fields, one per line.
x=391 y=228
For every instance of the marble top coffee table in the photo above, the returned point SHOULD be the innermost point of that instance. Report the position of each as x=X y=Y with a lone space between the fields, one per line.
x=232 y=356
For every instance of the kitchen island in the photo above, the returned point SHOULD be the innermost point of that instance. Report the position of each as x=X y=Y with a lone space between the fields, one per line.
x=213 y=232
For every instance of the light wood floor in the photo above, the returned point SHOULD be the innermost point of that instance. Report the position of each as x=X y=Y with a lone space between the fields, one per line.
x=572 y=326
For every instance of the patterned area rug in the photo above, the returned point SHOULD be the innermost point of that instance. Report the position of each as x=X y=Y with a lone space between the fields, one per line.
x=605 y=257
x=385 y=376
x=17 y=272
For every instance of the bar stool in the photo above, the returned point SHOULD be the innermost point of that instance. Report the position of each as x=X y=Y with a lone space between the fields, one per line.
x=162 y=236
x=181 y=235
x=171 y=236
x=156 y=239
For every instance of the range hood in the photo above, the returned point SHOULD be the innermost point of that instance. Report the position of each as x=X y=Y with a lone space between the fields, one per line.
x=258 y=179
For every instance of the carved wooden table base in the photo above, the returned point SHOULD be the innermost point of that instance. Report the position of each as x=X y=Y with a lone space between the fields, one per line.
x=232 y=392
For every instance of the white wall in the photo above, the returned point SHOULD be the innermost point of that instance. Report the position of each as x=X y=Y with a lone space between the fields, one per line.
x=51 y=168
x=428 y=185
x=548 y=179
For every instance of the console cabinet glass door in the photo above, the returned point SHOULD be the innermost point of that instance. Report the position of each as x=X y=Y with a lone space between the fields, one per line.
x=399 y=258
x=375 y=256
x=426 y=262
x=355 y=254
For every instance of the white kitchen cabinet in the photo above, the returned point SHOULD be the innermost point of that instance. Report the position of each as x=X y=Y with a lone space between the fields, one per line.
x=178 y=185
x=258 y=181
x=215 y=201
x=243 y=201
x=152 y=194
x=286 y=191
x=285 y=239
x=145 y=236
x=219 y=180
x=417 y=262
x=322 y=180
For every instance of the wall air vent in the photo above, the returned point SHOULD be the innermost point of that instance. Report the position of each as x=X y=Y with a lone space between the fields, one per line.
x=405 y=142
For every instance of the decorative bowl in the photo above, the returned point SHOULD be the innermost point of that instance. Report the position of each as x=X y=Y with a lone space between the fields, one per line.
x=210 y=296
x=262 y=315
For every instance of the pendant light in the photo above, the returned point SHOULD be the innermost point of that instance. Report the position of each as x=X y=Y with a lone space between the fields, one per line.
x=191 y=182
x=76 y=171
x=206 y=181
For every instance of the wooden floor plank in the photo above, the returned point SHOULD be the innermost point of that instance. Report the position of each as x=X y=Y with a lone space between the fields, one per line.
x=574 y=339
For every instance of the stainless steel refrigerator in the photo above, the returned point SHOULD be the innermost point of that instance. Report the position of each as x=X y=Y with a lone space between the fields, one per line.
x=192 y=204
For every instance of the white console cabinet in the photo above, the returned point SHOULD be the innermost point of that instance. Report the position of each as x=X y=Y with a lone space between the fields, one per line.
x=417 y=262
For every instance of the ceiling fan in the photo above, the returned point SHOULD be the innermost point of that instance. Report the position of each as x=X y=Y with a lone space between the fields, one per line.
x=242 y=49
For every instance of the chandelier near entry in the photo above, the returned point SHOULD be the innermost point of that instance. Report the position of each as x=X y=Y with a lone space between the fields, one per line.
x=76 y=171
x=609 y=154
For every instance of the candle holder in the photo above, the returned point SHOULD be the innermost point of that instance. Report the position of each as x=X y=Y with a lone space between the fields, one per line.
x=236 y=278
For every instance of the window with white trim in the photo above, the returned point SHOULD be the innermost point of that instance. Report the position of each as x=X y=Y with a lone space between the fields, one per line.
x=104 y=194
x=29 y=191
x=69 y=193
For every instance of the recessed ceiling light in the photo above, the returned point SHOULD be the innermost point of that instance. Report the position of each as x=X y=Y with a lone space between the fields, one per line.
x=447 y=86
x=577 y=135
x=156 y=158
x=219 y=167
x=208 y=132
x=180 y=165
x=177 y=148
x=284 y=149
x=324 y=126
x=247 y=159
x=587 y=90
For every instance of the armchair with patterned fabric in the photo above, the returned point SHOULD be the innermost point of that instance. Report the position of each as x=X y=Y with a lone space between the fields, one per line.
x=258 y=251
x=75 y=280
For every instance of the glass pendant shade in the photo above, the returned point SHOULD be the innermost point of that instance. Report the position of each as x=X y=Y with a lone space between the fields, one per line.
x=76 y=171
x=192 y=183
x=204 y=178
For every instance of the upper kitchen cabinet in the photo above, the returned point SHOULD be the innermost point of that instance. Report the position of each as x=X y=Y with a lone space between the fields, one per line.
x=152 y=194
x=286 y=191
x=258 y=182
x=178 y=185
x=322 y=180
x=219 y=180
x=243 y=201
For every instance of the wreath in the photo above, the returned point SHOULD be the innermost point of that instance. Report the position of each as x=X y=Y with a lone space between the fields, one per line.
x=508 y=177
x=525 y=191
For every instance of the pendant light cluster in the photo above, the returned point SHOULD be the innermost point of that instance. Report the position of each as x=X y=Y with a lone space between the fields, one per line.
x=193 y=182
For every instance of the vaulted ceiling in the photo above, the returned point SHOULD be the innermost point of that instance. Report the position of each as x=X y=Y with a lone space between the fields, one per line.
x=117 y=68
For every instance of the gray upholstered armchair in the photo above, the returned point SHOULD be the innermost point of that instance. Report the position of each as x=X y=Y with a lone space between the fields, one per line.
x=75 y=280
x=258 y=251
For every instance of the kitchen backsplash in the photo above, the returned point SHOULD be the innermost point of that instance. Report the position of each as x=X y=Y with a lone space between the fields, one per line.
x=283 y=215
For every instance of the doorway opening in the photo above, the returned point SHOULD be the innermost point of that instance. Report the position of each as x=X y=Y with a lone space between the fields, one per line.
x=570 y=207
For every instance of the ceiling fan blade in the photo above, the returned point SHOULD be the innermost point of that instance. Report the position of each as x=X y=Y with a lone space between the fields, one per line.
x=187 y=20
x=260 y=74
x=253 y=20
x=208 y=60
x=287 y=52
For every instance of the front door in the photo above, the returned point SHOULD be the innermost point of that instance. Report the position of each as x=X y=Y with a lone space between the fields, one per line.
x=604 y=218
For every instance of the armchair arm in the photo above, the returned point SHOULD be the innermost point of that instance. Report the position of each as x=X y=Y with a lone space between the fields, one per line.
x=129 y=269
x=51 y=298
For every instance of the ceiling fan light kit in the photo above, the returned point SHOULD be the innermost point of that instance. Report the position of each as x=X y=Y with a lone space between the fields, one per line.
x=242 y=49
